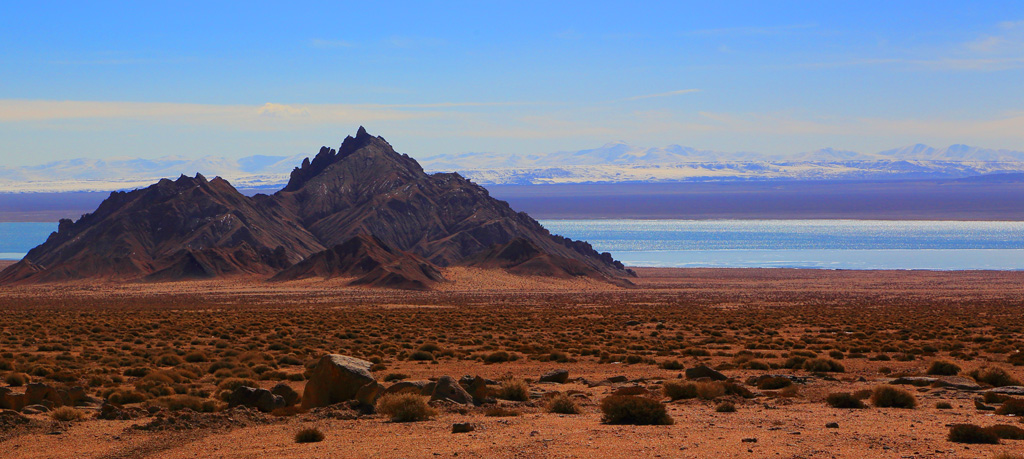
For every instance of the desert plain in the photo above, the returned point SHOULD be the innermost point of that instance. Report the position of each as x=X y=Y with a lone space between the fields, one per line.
x=157 y=363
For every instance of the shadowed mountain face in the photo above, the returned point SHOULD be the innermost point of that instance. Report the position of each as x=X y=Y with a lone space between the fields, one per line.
x=364 y=191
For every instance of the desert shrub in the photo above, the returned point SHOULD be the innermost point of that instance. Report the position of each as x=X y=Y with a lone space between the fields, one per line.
x=836 y=354
x=678 y=390
x=125 y=397
x=630 y=409
x=710 y=390
x=1014 y=406
x=500 y=412
x=943 y=368
x=1006 y=431
x=395 y=377
x=671 y=365
x=1016 y=359
x=994 y=376
x=195 y=357
x=137 y=372
x=756 y=365
x=169 y=360
x=794 y=363
x=970 y=433
x=421 y=356
x=562 y=404
x=513 y=389
x=892 y=397
x=16 y=379
x=497 y=357
x=824 y=365
x=231 y=384
x=309 y=435
x=726 y=407
x=844 y=400
x=943 y=406
x=180 y=402
x=774 y=383
x=66 y=414
x=405 y=407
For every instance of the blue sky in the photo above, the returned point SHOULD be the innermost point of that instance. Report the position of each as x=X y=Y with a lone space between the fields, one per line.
x=232 y=79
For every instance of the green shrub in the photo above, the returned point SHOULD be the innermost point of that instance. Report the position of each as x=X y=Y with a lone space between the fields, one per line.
x=943 y=368
x=844 y=400
x=309 y=435
x=631 y=409
x=892 y=397
x=405 y=407
x=970 y=433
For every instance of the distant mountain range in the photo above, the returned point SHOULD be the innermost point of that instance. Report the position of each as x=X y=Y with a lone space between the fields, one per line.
x=613 y=162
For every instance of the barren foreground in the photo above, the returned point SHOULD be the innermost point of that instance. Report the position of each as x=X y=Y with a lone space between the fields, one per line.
x=162 y=359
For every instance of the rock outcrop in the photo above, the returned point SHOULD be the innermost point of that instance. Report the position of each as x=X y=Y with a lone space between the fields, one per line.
x=339 y=378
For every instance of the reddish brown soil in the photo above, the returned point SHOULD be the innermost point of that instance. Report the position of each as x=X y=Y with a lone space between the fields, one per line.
x=883 y=323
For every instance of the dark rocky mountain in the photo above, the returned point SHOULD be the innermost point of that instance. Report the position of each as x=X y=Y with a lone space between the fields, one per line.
x=370 y=261
x=346 y=209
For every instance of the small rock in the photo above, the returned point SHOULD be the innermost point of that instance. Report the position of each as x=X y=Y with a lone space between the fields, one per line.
x=462 y=427
x=832 y=425
x=704 y=371
x=559 y=376
x=749 y=440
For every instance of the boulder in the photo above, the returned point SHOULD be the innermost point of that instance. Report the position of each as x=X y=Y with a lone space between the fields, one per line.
x=556 y=376
x=286 y=392
x=704 y=371
x=367 y=395
x=10 y=400
x=39 y=394
x=412 y=387
x=261 y=399
x=447 y=389
x=477 y=388
x=335 y=379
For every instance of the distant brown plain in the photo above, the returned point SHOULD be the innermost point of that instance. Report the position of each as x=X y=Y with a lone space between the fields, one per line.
x=206 y=336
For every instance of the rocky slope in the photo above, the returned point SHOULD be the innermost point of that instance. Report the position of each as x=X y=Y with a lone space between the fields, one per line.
x=399 y=218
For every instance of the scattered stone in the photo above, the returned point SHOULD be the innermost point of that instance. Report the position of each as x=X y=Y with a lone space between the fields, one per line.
x=286 y=392
x=462 y=427
x=557 y=376
x=631 y=390
x=412 y=387
x=111 y=412
x=1008 y=390
x=703 y=371
x=336 y=378
x=983 y=407
x=367 y=395
x=39 y=393
x=477 y=388
x=35 y=409
x=617 y=379
x=447 y=389
x=749 y=440
x=832 y=425
x=632 y=323
x=261 y=399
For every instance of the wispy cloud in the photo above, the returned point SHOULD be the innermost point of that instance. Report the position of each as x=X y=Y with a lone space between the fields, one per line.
x=663 y=94
x=328 y=44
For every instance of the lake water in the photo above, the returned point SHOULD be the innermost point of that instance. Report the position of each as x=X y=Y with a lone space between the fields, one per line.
x=830 y=244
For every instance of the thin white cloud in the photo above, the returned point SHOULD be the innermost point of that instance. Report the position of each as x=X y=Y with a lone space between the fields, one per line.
x=664 y=94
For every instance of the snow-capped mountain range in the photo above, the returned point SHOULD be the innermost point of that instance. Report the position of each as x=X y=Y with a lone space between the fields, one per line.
x=613 y=162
